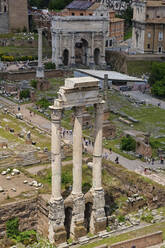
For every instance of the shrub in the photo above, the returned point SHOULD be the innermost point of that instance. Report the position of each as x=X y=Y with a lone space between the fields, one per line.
x=33 y=83
x=50 y=65
x=27 y=237
x=12 y=228
x=121 y=218
x=25 y=93
x=66 y=178
x=86 y=187
x=43 y=103
x=128 y=144
x=147 y=218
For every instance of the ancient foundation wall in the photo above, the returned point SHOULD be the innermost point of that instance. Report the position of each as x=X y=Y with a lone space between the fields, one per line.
x=141 y=242
x=4 y=24
x=28 y=75
x=25 y=210
x=43 y=211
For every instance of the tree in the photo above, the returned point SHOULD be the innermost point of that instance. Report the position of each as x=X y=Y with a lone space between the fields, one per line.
x=25 y=93
x=128 y=144
x=158 y=88
x=157 y=72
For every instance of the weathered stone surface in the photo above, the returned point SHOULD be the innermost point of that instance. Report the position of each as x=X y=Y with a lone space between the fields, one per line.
x=57 y=233
x=98 y=219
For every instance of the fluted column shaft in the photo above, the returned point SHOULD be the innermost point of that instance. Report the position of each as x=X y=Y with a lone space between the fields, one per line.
x=97 y=151
x=56 y=154
x=40 y=47
x=77 y=152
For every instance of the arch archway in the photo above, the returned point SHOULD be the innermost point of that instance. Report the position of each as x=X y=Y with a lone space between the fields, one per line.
x=68 y=219
x=81 y=52
x=87 y=215
x=97 y=56
x=65 y=57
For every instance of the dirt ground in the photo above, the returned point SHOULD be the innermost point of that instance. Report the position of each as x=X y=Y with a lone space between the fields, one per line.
x=17 y=183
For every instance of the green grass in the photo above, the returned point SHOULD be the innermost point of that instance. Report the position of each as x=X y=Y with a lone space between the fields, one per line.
x=21 y=51
x=138 y=68
x=151 y=118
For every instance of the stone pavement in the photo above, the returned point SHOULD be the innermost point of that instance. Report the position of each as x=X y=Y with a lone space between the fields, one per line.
x=145 y=97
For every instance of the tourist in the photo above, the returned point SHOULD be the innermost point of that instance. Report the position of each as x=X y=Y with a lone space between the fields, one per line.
x=153 y=160
x=117 y=160
x=110 y=150
x=161 y=160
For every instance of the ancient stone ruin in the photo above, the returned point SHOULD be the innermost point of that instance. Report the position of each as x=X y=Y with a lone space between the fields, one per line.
x=79 y=40
x=76 y=94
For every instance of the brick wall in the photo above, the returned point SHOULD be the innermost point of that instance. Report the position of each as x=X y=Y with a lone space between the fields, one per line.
x=141 y=242
x=18 y=15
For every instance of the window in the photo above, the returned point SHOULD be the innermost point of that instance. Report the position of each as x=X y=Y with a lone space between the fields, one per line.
x=160 y=36
x=110 y=43
x=73 y=14
x=148 y=46
x=149 y=35
x=81 y=14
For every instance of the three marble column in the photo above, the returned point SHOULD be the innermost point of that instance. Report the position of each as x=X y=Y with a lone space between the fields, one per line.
x=56 y=214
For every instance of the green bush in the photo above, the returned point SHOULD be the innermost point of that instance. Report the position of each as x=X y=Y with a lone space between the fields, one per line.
x=121 y=218
x=43 y=103
x=12 y=228
x=128 y=144
x=66 y=178
x=50 y=65
x=27 y=237
x=147 y=218
x=86 y=187
x=25 y=93
x=33 y=83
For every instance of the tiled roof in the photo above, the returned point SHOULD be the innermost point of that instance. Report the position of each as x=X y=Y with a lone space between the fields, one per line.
x=79 y=5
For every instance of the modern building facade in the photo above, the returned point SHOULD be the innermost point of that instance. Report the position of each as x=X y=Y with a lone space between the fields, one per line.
x=149 y=26
x=13 y=15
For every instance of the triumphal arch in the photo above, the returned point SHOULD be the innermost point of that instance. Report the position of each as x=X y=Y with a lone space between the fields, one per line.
x=76 y=94
x=79 y=40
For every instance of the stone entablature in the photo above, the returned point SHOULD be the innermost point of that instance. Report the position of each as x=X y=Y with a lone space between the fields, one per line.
x=76 y=94
x=79 y=39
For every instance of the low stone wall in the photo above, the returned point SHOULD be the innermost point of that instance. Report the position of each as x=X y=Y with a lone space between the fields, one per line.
x=28 y=75
x=25 y=210
x=141 y=242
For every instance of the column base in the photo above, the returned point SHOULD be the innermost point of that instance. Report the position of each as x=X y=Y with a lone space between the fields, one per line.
x=92 y=65
x=77 y=229
x=40 y=72
x=57 y=233
x=98 y=219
